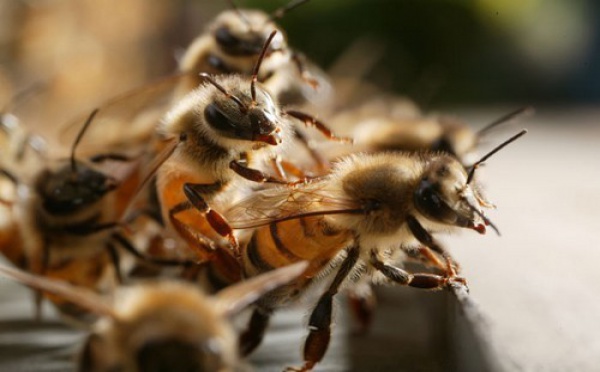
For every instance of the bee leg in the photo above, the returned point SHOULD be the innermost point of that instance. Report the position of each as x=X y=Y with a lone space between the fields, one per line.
x=251 y=338
x=321 y=161
x=311 y=121
x=284 y=167
x=430 y=257
x=425 y=238
x=416 y=280
x=277 y=167
x=193 y=192
x=317 y=342
x=299 y=60
x=125 y=243
x=116 y=261
x=203 y=247
x=253 y=174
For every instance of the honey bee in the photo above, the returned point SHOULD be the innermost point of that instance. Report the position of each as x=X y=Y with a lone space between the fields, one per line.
x=222 y=130
x=394 y=124
x=231 y=44
x=64 y=217
x=357 y=222
x=162 y=326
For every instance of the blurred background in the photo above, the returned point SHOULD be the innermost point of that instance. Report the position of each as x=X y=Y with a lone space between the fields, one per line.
x=438 y=52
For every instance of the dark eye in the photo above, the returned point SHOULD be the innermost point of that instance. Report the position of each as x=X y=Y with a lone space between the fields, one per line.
x=220 y=122
x=217 y=119
x=250 y=44
x=225 y=38
x=430 y=200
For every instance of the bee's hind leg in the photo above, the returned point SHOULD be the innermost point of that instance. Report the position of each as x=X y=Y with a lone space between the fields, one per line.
x=317 y=342
x=251 y=338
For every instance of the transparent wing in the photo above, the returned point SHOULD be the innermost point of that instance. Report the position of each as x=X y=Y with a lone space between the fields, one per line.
x=79 y=296
x=280 y=204
x=319 y=91
x=126 y=120
x=235 y=298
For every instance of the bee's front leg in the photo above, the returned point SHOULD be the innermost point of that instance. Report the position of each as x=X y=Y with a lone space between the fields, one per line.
x=416 y=280
x=429 y=242
x=216 y=220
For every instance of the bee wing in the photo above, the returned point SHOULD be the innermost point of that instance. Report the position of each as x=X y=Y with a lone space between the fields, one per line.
x=319 y=91
x=236 y=297
x=80 y=296
x=130 y=118
x=280 y=204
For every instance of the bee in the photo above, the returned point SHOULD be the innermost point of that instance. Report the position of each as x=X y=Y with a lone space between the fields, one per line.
x=64 y=219
x=356 y=222
x=231 y=44
x=222 y=130
x=160 y=326
x=394 y=124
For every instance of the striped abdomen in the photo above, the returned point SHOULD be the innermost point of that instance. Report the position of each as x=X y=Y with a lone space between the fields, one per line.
x=284 y=243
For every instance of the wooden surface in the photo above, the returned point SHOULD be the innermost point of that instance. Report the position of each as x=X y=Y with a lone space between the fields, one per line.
x=538 y=284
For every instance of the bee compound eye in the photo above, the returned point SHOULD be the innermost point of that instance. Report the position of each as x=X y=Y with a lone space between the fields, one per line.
x=217 y=119
x=429 y=202
x=225 y=38
x=220 y=122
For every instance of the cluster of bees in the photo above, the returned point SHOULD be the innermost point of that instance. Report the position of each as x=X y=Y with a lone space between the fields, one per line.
x=202 y=194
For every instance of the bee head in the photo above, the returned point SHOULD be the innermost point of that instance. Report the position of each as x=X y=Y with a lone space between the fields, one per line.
x=443 y=195
x=255 y=117
x=173 y=354
x=245 y=32
x=256 y=121
x=64 y=192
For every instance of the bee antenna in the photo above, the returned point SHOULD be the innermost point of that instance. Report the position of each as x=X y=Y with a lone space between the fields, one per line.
x=240 y=13
x=79 y=137
x=209 y=78
x=279 y=13
x=523 y=111
x=263 y=52
x=489 y=154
